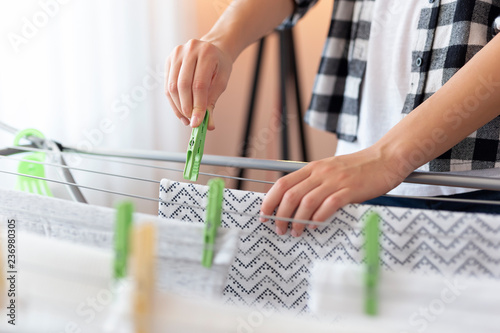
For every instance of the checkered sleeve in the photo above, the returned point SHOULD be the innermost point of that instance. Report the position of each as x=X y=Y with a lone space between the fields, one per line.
x=334 y=104
x=450 y=33
x=301 y=7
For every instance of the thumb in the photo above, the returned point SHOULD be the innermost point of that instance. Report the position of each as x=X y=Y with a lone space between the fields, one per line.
x=197 y=117
x=212 y=98
x=211 y=121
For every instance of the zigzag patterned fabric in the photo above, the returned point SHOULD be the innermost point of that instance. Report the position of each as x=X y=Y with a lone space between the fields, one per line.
x=274 y=271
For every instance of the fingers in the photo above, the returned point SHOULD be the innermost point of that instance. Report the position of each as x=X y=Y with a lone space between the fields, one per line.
x=308 y=206
x=211 y=121
x=214 y=93
x=317 y=205
x=216 y=89
x=277 y=191
x=184 y=86
x=197 y=74
x=171 y=87
x=307 y=194
x=332 y=204
x=321 y=188
x=291 y=201
x=200 y=86
x=178 y=114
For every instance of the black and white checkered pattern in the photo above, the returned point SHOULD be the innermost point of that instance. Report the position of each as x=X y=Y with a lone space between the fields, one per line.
x=449 y=33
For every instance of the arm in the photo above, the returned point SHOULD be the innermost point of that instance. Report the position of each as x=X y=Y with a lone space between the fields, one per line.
x=470 y=99
x=197 y=72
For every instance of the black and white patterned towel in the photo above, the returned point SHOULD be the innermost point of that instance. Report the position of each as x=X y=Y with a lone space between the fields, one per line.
x=274 y=271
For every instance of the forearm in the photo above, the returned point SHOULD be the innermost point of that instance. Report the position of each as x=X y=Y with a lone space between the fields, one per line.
x=469 y=100
x=245 y=21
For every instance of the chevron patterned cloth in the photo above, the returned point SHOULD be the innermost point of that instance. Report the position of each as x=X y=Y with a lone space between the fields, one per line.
x=274 y=271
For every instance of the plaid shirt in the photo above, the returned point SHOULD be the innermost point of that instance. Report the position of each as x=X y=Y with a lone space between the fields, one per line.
x=449 y=33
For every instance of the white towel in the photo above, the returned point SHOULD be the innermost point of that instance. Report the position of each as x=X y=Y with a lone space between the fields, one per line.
x=64 y=260
x=407 y=302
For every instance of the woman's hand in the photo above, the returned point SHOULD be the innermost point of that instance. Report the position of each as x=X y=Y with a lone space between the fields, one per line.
x=196 y=74
x=322 y=187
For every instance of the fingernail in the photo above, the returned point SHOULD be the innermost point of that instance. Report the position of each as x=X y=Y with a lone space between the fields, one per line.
x=312 y=226
x=280 y=231
x=262 y=219
x=194 y=121
x=295 y=233
x=185 y=121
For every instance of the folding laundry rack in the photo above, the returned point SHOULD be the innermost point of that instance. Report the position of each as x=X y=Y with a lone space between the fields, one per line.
x=210 y=312
x=38 y=144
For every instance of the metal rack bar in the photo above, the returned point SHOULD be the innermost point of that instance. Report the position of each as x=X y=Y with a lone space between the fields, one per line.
x=41 y=143
x=427 y=178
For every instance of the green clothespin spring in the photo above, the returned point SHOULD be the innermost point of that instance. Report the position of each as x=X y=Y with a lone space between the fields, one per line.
x=372 y=252
x=32 y=165
x=195 y=150
x=123 y=226
x=212 y=220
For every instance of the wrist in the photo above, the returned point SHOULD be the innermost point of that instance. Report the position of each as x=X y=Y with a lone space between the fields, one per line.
x=224 y=43
x=397 y=158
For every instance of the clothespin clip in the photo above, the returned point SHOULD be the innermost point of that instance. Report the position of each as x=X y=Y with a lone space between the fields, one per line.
x=372 y=252
x=143 y=272
x=123 y=225
x=32 y=166
x=121 y=307
x=212 y=220
x=195 y=150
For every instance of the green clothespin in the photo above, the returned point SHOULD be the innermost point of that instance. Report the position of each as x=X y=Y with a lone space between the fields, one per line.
x=195 y=150
x=32 y=166
x=212 y=220
x=123 y=226
x=372 y=252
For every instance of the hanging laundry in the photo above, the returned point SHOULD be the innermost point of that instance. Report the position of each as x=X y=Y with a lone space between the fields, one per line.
x=179 y=245
x=407 y=302
x=274 y=271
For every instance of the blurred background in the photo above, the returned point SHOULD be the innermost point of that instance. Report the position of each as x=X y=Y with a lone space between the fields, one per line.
x=89 y=74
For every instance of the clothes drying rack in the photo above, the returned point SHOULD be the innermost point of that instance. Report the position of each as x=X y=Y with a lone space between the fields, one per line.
x=61 y=151
x=49 y=146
